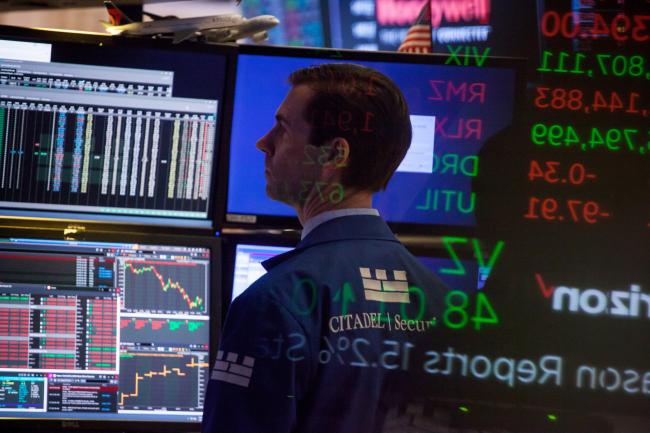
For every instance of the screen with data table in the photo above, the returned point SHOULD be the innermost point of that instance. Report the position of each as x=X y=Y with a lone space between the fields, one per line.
x=109 y=133
x=248 y=264
x=103 y=331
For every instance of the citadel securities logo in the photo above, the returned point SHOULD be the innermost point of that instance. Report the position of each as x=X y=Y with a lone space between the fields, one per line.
x=382 y=289
x=232 y=372
x=390 y=321
x=632 y=303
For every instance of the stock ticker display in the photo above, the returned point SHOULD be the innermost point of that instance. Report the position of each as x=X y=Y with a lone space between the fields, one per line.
x=106 y=133
x=78 y=340
x=543 y=223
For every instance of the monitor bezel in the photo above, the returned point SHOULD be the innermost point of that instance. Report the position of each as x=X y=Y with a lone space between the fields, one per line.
x=213 y=243
x=224 y=118
x=249 y=221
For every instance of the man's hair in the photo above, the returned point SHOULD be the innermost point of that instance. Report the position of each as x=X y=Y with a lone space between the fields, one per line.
x=367 y=109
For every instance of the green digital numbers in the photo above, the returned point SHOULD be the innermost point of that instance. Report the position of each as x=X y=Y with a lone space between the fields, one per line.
x=422 y=304
x=611 y=140
x=300 y=290
x=456 y=315
x=334 y=192
x=345 y=295
x=598 y=65
x=484 y=313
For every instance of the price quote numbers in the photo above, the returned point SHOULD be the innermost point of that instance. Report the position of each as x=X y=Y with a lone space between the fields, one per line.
x=332 y=192
x=322 y=155
x=342 y=121
x=577 y=100
x=612 y=139
x=572 y=25
x=576 y=211
x=345 y=351
x=457 y=316
x=555 y=172
x=602 y=65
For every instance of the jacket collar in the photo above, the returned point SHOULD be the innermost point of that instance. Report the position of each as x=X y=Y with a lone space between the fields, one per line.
x=356 y=227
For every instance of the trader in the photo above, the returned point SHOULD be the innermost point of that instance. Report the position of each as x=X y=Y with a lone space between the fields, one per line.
x=327 y=340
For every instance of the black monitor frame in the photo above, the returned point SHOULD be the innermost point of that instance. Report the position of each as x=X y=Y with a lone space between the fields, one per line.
x=213 y=243
x=262 y=221
x=224 y=118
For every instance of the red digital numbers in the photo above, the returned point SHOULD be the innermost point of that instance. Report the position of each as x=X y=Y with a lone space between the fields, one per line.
x=343 y=121
x=577 y=211
x=559 y=98
x=592 y=25
x=555 y=172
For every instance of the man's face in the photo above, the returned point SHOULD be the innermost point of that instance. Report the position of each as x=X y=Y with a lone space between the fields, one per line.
x=287 y=167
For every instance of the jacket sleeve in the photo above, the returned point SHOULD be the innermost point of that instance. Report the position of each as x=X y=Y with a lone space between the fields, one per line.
x=261 y=369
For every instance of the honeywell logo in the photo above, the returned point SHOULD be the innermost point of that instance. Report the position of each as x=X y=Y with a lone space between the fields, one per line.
x=632 y=303
x=398 y=12
x=405 y=12
x=455 y=11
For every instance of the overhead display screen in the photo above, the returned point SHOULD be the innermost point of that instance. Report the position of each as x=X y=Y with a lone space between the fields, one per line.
x=371 y=24
x=301 y=22
x=454 y=111
x=383 y=25
x=103 y=331
x=108 y=133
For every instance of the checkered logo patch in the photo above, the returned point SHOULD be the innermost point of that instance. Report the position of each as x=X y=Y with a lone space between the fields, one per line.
x=229 y=370
x=381 y=289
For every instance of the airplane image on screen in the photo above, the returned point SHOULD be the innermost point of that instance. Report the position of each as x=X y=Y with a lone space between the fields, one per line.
x=215 y=28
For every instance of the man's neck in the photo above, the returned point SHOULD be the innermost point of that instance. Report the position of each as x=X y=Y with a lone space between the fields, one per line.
x=314 y=206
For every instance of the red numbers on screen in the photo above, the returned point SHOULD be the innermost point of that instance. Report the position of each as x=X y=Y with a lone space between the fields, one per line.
x=555 y=172
x=576 y=100
x=552 y=209
x=621 y=28
x=367 y=121
x=344 y=121
x=640 y=30
x=559 y=98
x=553 y=24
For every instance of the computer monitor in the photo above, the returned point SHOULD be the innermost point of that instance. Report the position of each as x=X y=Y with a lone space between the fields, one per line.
x=454 y=110
x=371 y=25
x=106 y=332
x=500 y=27
x=249 y=257
x=248 y=265
x=102 y=129
x=301 y=22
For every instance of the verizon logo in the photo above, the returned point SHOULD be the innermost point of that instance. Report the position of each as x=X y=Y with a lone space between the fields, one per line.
x=632 y=303
x=456 y=11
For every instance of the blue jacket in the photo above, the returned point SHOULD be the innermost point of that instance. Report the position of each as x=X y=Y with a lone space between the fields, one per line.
x=326 y=341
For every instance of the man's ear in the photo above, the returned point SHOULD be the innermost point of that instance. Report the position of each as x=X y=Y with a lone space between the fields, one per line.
x=340 y=152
